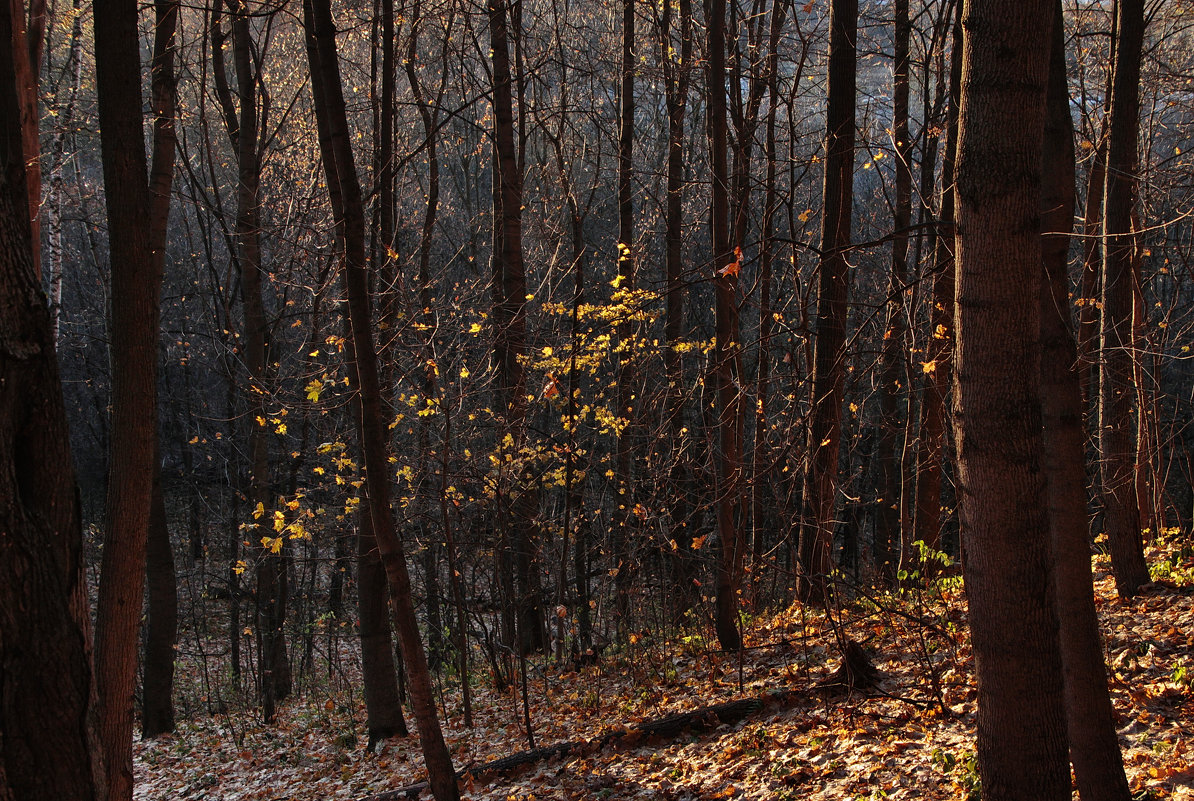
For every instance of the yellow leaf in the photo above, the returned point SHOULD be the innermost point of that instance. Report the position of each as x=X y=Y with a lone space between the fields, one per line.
x=929 y=367
x=259 y=511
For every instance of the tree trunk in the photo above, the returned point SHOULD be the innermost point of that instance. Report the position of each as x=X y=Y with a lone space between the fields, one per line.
x=930 y=451
x=518 y=530
x=997 y=406
x=727 y=357
x=1117 y=445
x=133 y=332
x=627 y=336
x=338 y=158
x=64 y=116
x=820 y=485
x=894 y=383
x=51 y=749
x=676 y=93
x=157 y=715
x=1090 y=720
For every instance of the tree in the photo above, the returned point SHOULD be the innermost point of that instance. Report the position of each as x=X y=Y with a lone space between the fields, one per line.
x=1117 y=446
x=339 y=163
x=157 y=714
x=727 y=358
x=50 y=748
x=829 y=369
x=997 y=405
x=133 y=330
x=891 y=524
x=1090 y=720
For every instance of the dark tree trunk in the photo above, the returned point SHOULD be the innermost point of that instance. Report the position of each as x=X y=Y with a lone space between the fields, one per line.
x=518 y=529
x=338 y=158
x=1117 y=445
x=157 y=715
x=133 y=333
x=676 y=94
x=50 y=750
x=623 y=561
x=820 y=485
x=1094 y=747
x=894 y=382
x=997 y=406
x=727 y=358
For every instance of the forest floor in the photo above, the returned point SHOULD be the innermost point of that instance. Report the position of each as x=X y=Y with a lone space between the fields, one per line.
x=912 y=738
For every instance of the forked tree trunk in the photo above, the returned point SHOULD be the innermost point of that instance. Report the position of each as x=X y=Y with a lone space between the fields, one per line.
x=1090 y=720
x=1117 y=446
x=997 y=405
x=48 y=708
x=133 y=332
x=338 y=158
x=821 y=480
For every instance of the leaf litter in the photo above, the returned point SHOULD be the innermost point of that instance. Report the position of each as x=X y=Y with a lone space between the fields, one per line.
x=911 y=738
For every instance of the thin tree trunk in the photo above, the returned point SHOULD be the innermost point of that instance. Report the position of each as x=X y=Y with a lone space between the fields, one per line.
x=727 y=358
x=1116 y=434
x=894 y=383
x=623 y=561
x=64 y=115
x=931 y=443
x=820 y=486
x=329 y=103
x=997 y=405
x=157 y=715
x=1090 y=719
x=676 y=93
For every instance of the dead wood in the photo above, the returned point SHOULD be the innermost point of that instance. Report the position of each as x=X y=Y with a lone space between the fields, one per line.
x=667 y=727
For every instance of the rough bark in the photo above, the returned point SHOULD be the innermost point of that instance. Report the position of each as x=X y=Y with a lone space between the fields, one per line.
x=1090 y=720
x=49 y=748
x=133 y=333
x=997 y=406
x=339 y=161
x=1117 y=445
x=820 y=485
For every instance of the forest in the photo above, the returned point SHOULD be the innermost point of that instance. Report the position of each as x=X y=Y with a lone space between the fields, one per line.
x=569 y=399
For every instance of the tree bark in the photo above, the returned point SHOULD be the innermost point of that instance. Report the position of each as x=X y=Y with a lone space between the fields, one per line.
x=50 y=747
x=325 y=77
x=820 y=485
x=133 y=332
x=997 y=406
x=157 y=714
x=1117 y=446
x=1090 y=719
x=727 y=357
